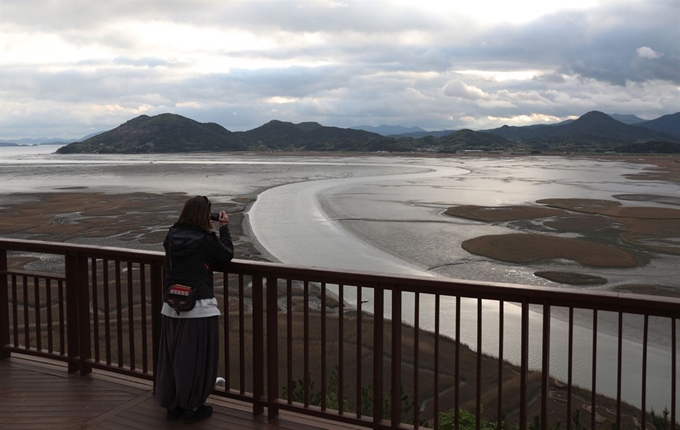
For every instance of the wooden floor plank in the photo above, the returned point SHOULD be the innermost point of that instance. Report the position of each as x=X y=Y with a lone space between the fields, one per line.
x=40 y=394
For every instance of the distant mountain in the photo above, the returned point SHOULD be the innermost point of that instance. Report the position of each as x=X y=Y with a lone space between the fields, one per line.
x=419 y=134
x=626 y=119
x=89 y=136
x=309 y=136
x=592 y=130
x=3 y=143
x=669 y=124
x=161 y=133
x=466 y=140
x=37 y=141
x=388 y=130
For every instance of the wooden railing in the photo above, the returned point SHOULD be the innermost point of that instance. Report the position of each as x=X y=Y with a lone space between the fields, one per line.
x=329 y=344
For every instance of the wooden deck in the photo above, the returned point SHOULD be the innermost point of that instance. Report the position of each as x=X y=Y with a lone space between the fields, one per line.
x=36 y=394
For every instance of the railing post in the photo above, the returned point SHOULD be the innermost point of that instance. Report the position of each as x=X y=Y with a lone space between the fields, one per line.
x=258 y=346
x=83 y=315
x=272 y=347
x=4 y=306
x=156 y=318
x=72 y=338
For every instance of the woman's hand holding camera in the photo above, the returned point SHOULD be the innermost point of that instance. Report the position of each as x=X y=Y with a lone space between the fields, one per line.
x=224 y=218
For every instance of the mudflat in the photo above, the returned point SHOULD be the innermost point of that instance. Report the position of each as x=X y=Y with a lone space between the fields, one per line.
x=612 y=235
x=620 y=232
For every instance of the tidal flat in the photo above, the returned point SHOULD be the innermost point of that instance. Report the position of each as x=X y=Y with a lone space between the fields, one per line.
x=416 y=215
x=390 y=210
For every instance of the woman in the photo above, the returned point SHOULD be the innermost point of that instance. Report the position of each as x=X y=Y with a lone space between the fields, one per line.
x=189 y=345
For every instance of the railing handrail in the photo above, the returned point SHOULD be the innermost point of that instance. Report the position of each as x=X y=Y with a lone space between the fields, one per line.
x=79 y=324
x=587 y=299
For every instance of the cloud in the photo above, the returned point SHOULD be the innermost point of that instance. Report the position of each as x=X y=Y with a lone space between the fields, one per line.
x=464 y=91
x=66 y=67
x=647 y=52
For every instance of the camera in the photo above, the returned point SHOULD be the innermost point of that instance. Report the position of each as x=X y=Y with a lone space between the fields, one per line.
x=215 y=216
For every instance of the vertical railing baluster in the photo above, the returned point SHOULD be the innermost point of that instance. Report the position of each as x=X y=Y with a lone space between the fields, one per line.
x=289 y=339
x=456 y=399
x=341 y=349
x=107 y=311
x=674 y=372
x=119 y=313
x=619 y=371
x=570 y=365
x=15 y=312
x=499 y=411
x=524 y=365
x=36 y=309
x=27 y=332
x=142 y=302
x=4 y=306
x=258 y=345
x=545 y=367
x=437 y=302
x=95 y=310
x=593 y=387
x=225 y=330
x=416 y=360
x=396 y=356
x=358 y=352
x=242 y=334
x=48 y=315
x=272 y=347
x=131 y=316
x=378 y=349
x=62 y=319
x=478 y=393
x=305 y=331
x=324 y=368
x=643 y=391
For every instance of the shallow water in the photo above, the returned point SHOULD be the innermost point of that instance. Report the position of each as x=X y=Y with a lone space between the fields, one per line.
x=401 y=216
x=385 y=214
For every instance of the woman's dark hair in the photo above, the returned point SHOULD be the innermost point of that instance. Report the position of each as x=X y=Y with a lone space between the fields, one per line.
x=196 y=213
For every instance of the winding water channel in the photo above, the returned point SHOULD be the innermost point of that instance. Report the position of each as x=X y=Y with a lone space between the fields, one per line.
x=364 y=224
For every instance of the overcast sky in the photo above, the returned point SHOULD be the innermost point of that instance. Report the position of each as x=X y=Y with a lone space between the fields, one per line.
x=69 y=68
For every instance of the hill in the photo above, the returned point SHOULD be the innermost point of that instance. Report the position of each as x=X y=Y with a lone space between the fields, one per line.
x=310 y=136
x=161 y=133
x=468 y=140
x=669 y=124
x=419 y=134
x=627 y=119
x=389 y=130
x=592 y=131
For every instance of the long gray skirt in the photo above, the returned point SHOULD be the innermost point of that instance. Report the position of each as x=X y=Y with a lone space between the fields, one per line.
x=187 y=361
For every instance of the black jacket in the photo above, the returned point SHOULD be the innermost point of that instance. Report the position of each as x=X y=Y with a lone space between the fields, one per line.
x=189 y=254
